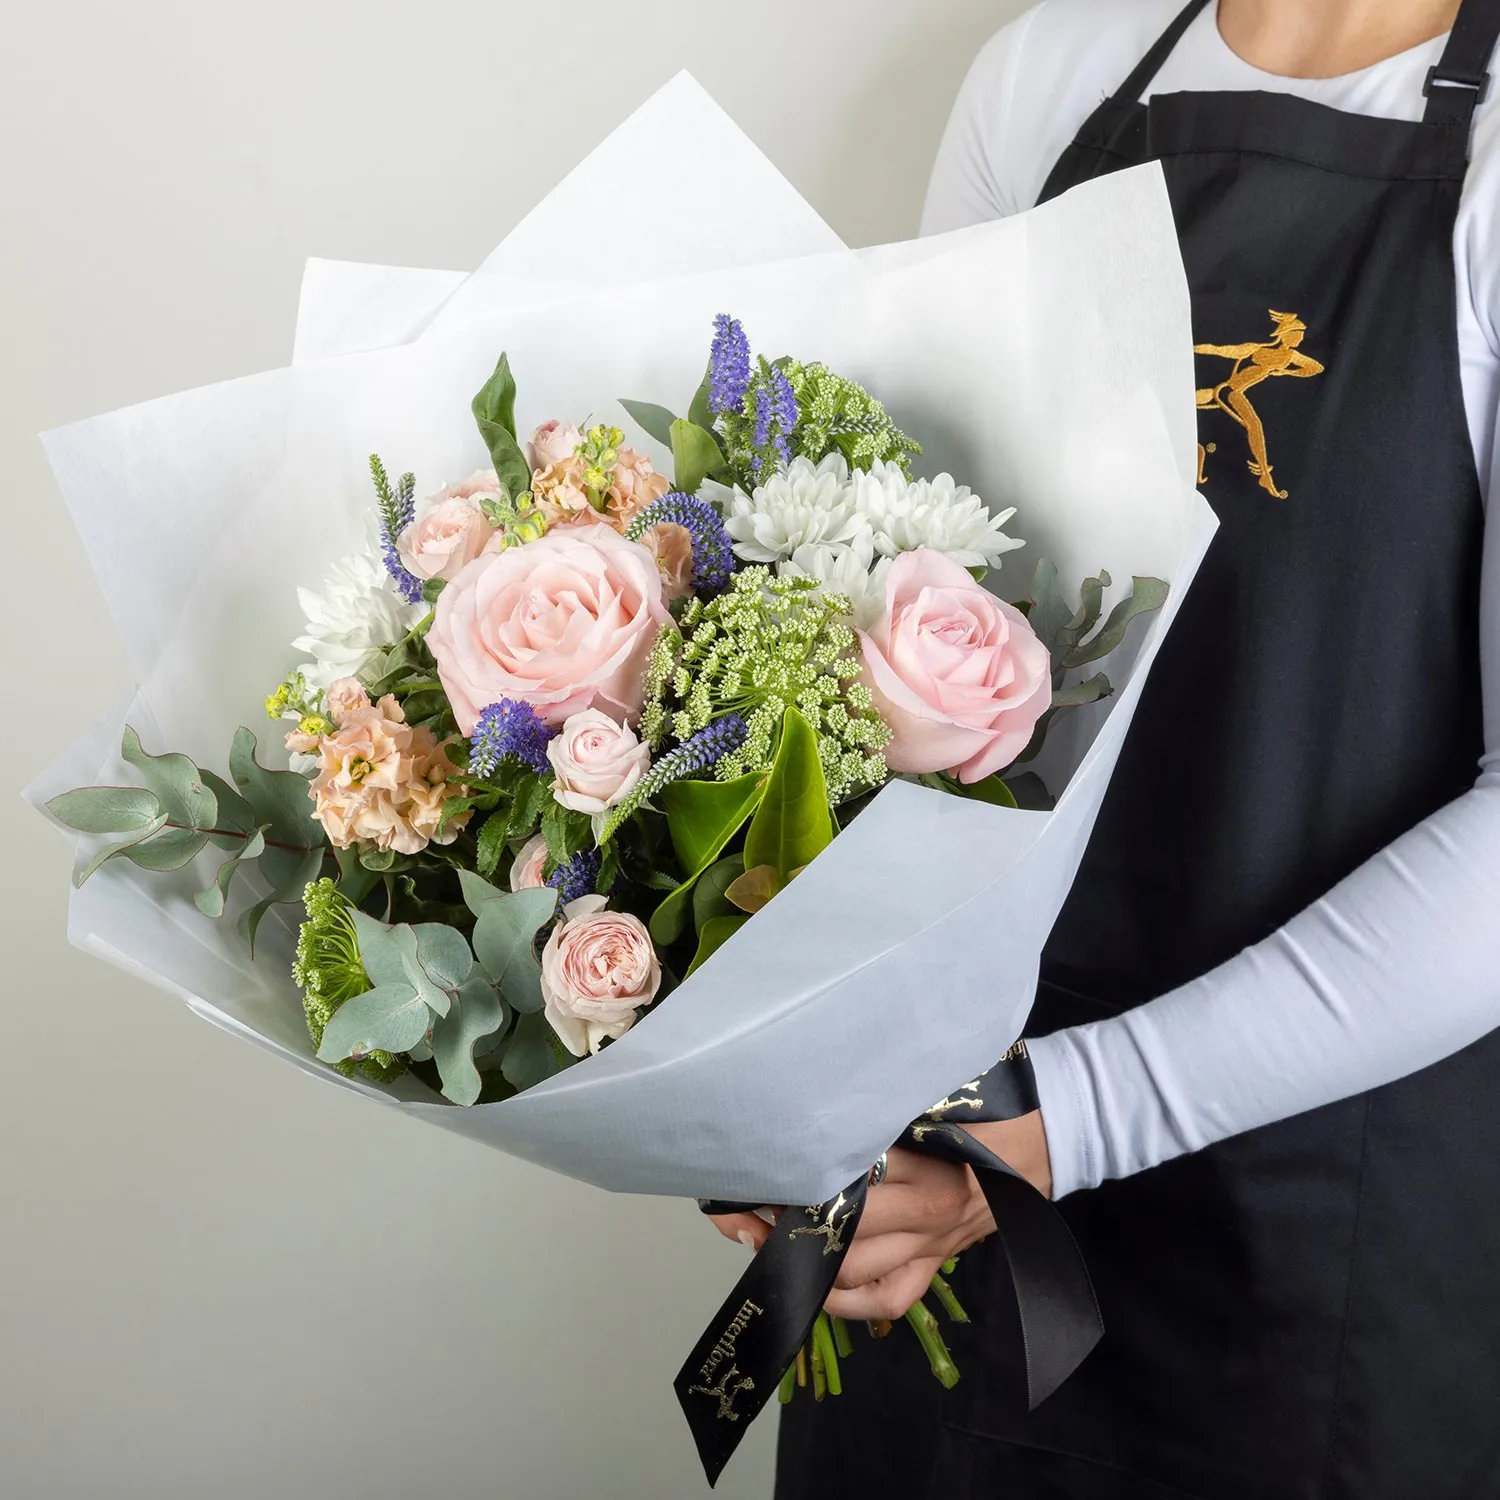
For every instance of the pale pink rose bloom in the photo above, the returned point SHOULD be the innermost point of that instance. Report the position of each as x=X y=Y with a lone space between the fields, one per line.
x=672 y=547
x=451 y=531
x=596 y=762
x=552 y=443
x=526 y=872
x=598 y=969
x=381 y=782
x=564 y=623
x=959 y=676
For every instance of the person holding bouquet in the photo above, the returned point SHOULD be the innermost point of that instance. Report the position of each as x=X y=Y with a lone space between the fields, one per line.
x=1264 y=1041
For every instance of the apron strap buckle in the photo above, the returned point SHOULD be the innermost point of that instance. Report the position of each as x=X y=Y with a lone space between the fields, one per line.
x=1452 y=78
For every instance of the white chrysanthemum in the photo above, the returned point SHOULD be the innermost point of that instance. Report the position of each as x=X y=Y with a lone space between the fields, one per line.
x=845 y=568
x=805 y=504
x=904 y=514
x=356 y=615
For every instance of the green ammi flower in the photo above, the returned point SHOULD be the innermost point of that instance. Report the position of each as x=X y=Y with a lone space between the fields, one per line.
x=835 y=413
x=328 y=971
x=767 y=644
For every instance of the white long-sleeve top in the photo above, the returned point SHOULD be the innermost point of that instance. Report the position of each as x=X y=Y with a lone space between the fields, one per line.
x=1398 y=966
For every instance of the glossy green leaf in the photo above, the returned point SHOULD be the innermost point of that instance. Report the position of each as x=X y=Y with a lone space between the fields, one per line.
x=652 y=419
x=477 y=1013
x=1030 y=792
x=702 y=817
x=355 y=881
x=700 y=413
x=494 y=410
x=756 y=888
x=389 y=1018
x=695 y=455
x=124 y=847
x=716 y=932
x=106 y=809
x=709 y=900
x=793 y=824
x=532 y=1056
x=991 y=789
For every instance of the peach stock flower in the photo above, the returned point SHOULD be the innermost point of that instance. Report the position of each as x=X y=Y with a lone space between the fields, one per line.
x=561 y=496
x=381 y=782
x=598 y=969
x=959 y=676
x=564 y=623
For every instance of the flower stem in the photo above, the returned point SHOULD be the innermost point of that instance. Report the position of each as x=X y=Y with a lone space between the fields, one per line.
x=823 y=1343
x=841 y=1339
x=820 y=1377
x=951 y=1305
x=925 y=1326
x=801 y=1367
x=788 y=1384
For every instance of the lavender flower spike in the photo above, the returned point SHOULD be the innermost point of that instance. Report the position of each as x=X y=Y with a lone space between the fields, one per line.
x=728 y=366
x=510 y=730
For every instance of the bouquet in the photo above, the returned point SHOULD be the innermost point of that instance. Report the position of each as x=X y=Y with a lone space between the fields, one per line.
x=557 y=733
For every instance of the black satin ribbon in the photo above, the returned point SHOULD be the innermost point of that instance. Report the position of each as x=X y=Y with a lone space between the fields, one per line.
x=738 y=1363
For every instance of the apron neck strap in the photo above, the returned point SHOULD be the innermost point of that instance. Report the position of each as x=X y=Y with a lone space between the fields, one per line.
x=1461 y=80
x=1150 y=65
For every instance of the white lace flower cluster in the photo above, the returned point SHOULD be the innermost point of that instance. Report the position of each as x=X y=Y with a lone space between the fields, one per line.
x=822 y=521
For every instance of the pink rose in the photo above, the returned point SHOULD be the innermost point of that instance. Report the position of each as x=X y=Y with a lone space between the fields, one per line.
x=526 y=872
x=597 y=762
x=451 y=531
x=960 y=677
x=564 y=623
x=598 y=969
x=552 y=443
x=672 y=547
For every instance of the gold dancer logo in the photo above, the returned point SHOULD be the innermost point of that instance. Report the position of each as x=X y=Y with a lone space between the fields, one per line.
x=1253 y=363
x=726 y=1392
x=830 y=1225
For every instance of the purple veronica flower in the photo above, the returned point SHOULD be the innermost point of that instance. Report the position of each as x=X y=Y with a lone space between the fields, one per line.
x=392 y=525
x=728 y=366
x=713 y=551
x=776 y=414
x=511 y=730
x=577 y=877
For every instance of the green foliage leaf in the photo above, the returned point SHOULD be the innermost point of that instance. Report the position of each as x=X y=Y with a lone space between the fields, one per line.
x=107 y=809
x=1145 y=596
x=185 y=799
x=991 y=790
x=236 y=816
x=477 y=1013
x=654 y=420
x=494 y=408
x=170 y=849
x=700 y=413
x=1030 y=792
x=1049 y=613
x=384 y=949
x=431 y=588
x=294 y=838
x=755 y=888
x=567 y=832
x=105 y=855
x=389 y=1018
x=702 y=817
x=492 y=842
x=532 y=1056
x=505 y=928
x=1077 y=694
x=716 y=932
x=793 y=824
x=709 y=898
x=211 y=901
x=695 y=455
x=355 y=881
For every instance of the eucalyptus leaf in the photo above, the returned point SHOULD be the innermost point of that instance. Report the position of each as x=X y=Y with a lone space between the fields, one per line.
x=1077 y=694
x=185 y=799
x=477 y=1013
x=444 y=954
x=654 y=420
x=793 y=824
x=383 y=949
x=171 y=849
x=107 y=809
x=389 y=1018
x=1146 y=595
x=236 y=819
x=433 y=996
x=211 y=901
x=281 y=799
x=355 y=881
x=531 y=1057
x=1086 y=616
x=1049 y=612
x=716 y=932
x=124 y=847
x=695 y=455
x=505 y=929
x=288 y=872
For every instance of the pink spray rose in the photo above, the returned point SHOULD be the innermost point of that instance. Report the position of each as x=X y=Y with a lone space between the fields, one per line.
x=598 y=969
x=596 y=761
x=564 y=623
x=526 y=872
x=552 y=443
x=451 y=530
x=959 y=676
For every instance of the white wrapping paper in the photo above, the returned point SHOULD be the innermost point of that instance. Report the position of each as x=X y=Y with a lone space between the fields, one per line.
x=1045 y=360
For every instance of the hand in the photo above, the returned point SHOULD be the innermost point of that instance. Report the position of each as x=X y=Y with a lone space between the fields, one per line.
x=924 y=1213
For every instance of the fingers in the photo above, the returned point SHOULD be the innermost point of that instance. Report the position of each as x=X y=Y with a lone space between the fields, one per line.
x=889 y=1297
x=749 y=1229
x=870 y=1260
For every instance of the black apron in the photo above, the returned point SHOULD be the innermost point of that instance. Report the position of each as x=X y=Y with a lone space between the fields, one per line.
x=1310 y=1311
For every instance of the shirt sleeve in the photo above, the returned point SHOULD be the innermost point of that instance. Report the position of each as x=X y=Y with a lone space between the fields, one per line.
x=1394 y=969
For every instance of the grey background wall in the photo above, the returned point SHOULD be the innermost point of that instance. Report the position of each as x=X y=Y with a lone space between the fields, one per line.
x=216 y=1278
